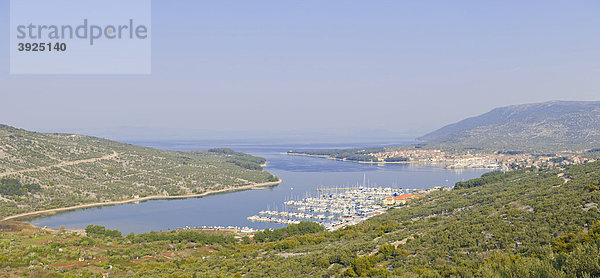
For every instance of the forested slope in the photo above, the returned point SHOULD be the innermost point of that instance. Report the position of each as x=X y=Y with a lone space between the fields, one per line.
x=525 y=223
x=42 y=171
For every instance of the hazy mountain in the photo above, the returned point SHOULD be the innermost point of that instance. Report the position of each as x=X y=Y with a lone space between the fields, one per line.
x=554 y=125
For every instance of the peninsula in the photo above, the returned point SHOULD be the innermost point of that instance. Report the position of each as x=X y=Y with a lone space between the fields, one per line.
x=47 y=173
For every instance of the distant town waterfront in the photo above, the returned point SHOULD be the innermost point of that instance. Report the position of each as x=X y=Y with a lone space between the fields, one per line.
x=506 y=161
x=301 y=176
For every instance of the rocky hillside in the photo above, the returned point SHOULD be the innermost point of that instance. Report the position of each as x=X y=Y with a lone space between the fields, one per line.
x=43 y=171
x=553 y=126
x=525 y=223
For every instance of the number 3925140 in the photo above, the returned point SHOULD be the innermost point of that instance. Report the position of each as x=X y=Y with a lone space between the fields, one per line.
x=39 y=47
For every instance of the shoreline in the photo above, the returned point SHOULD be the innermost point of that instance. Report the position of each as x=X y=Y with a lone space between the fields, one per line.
x=355 y=161
x=142 y=199
x=443 y=165
x=364 y=162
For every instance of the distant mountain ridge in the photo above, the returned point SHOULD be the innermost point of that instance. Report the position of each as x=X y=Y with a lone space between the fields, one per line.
x=555 y=125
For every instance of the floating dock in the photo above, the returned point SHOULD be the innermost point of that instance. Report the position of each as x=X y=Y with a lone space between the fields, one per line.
x=344 y=206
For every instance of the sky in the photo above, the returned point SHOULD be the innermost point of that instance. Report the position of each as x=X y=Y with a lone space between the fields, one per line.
x=390 y=68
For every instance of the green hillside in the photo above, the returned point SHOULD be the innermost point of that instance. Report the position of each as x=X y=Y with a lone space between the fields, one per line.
x=41 y=171
x=549 y=126
x=525 y=223
x=538 y=128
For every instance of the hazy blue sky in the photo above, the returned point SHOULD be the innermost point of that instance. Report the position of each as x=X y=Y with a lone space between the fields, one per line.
x=403 y=66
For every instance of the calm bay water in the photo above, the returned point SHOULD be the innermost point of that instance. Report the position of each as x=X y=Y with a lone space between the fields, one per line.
x=301 y=175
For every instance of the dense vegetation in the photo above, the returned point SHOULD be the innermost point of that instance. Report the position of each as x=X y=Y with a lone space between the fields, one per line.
x=489 y=177
x=13 y=187
x=302 y=228
x=100 y=231
x=41 y=171
x=182 y=237
x=345 y=154
x=241 y=159
x=528 y=223
x=396 y=159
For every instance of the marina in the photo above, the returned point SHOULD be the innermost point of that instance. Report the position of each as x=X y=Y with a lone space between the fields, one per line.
x=336 y=207
x=303 y=177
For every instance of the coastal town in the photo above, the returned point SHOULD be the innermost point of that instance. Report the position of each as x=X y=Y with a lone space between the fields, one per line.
x=499 y=160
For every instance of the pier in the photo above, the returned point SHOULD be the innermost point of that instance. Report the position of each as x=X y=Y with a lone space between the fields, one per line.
x=335 y=188
x=345 y=206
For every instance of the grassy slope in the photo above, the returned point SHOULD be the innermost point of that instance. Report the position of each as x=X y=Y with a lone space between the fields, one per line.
x=507 y=227
x=134 y=170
